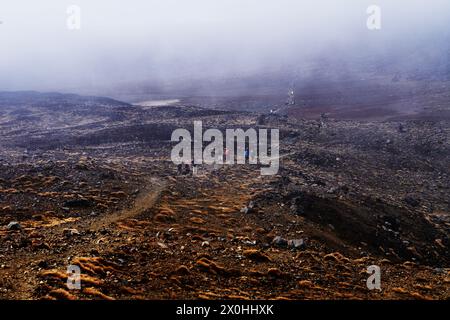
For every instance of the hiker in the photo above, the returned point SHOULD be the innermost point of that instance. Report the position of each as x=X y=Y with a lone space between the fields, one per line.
x=187 y=168
x=252 y=156
x=323 y=120
x=194 y=168
x=226 y=152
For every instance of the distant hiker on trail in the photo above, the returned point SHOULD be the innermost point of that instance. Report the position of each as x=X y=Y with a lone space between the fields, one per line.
x=194 y=168
x=252 y=156
x=323 y=121
x=226 y=152
x=183 y=169
x=187 y=168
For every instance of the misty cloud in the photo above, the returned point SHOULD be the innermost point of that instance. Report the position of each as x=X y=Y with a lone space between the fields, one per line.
x=169 y=41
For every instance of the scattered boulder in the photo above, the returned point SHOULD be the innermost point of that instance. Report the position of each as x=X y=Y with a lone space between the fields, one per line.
x=205 y=244
x=249 y=208
x=14 y=225
x=279 y=242
x=296 y=244
x=245 y=210
x=70 y=232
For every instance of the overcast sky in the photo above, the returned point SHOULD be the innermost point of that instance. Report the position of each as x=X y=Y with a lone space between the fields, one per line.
x=139 y=40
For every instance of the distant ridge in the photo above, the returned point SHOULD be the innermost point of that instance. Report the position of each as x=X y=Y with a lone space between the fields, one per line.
x=36 y=99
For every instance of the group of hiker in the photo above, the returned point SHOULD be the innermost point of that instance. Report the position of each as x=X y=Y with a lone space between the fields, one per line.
x=187 y=168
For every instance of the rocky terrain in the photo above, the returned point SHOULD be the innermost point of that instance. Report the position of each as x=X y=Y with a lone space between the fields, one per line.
x=88 y=181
